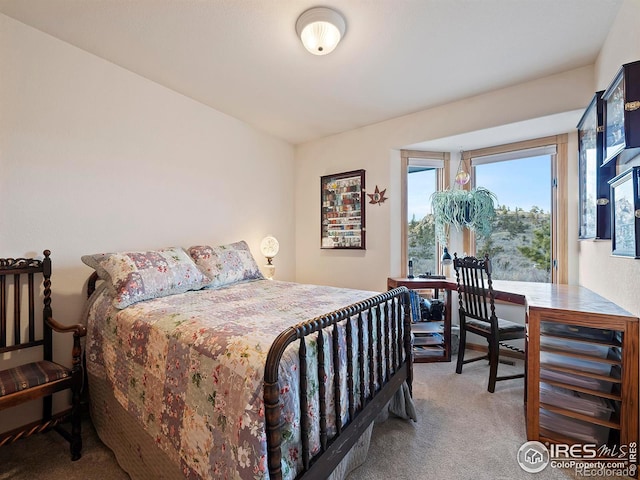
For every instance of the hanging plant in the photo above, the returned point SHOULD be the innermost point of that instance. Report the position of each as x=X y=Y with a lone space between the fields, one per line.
x=473 y=209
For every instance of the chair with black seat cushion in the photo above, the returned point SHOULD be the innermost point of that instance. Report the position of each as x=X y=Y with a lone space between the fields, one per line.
x=27 y=370
x=478 y=315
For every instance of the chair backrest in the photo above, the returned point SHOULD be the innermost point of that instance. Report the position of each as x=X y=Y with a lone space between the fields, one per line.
x=21 y=324
x=475 y=291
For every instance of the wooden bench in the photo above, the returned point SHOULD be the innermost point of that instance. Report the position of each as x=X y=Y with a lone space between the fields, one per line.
x=23 y=326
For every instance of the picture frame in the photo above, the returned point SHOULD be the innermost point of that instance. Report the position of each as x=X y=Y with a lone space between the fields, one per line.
x=342 y=211
x=625 y=213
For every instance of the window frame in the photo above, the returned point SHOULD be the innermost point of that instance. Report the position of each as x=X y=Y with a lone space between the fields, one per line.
x=442 y=182
x=559 y=197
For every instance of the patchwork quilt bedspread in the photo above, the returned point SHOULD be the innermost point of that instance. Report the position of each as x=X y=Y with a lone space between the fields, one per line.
x=189 y=367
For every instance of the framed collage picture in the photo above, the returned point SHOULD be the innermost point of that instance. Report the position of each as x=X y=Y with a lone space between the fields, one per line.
x=342 y=215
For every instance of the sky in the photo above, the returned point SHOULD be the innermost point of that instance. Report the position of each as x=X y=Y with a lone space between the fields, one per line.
x=520 y=183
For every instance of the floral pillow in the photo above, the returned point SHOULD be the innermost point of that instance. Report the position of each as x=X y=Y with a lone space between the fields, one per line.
x=135 y=276
x=226 y=264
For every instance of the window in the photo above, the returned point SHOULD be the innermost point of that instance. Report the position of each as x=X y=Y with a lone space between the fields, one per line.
x=530 y=234
x=421 y=241
x=520 y=243
x=543 y=211
x=423 y=176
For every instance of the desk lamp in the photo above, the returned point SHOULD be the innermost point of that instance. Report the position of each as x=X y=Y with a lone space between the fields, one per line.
x=269 y=248
x=446 y=257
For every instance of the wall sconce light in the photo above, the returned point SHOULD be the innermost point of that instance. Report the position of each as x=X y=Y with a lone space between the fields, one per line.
x=446 y=257
x=269 y=247
x=320 y=29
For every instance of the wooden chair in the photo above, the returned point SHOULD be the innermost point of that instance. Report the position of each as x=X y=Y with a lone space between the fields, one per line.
x=24 y=332
x=478 y=315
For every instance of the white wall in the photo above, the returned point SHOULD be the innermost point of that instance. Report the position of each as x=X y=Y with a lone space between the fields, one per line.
x=95 y=158
x=375 y=148
x=614 y=278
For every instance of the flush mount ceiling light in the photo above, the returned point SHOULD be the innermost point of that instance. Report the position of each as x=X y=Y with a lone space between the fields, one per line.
x=320 y=29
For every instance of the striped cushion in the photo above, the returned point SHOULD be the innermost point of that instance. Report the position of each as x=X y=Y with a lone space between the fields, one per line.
x=30 y=375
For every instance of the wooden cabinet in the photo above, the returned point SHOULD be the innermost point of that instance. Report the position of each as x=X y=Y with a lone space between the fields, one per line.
x=594 y=201
x=622 y=115
x=608 y=135
x=428 y=342
x=582 y=371
x=432 y=339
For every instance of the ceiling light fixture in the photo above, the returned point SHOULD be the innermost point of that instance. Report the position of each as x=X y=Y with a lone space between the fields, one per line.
x=320 y=29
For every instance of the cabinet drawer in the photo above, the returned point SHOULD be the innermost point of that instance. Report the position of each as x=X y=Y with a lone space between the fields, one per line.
x=583 y=348
x=576 y=331
x=588 y=383
x=578 y=402
x=590 y=366
x=577 y=429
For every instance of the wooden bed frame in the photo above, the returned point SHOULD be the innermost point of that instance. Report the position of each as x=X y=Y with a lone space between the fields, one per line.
x=394 y=362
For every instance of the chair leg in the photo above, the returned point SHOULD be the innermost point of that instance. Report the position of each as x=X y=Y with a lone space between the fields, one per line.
x=76 y=425
x=461 y=347
x=47 y=408
x=494 y=352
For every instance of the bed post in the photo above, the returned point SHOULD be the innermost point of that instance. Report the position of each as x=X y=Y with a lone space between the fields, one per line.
x=406 y=314
x=272 y=420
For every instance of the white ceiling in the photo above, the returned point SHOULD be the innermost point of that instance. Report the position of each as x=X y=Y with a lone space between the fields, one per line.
x=242 y=57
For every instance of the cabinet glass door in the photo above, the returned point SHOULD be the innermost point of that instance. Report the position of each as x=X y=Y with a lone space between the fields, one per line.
x=614 y=141
x=587 y=138
x=622 y=115
x=594 y=208
x=625 y=197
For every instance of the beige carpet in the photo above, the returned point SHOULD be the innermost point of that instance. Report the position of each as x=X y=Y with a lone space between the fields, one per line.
x=46 y=457
x=463 y=432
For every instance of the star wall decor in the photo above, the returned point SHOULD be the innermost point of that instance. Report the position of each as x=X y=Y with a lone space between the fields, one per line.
x=377 y=196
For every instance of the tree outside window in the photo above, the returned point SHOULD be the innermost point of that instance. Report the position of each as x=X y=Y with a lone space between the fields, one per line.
x=421 y=239
x=520 y=243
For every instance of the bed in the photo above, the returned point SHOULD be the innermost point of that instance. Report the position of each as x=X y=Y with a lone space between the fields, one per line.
x=198 y=367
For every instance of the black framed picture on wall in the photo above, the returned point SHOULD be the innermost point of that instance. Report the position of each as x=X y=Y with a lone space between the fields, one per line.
x=342 y=212
x=625 y=208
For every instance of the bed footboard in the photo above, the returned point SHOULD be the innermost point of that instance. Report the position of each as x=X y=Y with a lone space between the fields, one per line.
x=388 y=362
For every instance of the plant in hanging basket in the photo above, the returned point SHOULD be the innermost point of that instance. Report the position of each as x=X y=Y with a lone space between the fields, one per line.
x=473 y=209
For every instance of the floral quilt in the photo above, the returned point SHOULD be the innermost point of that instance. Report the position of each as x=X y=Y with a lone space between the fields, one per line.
x=189 y=367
